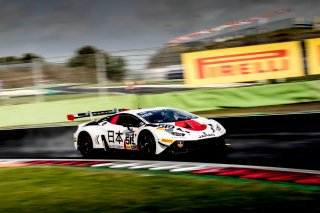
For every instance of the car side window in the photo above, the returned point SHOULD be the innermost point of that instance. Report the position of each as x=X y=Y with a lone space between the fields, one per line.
x=128 y=119
x=179 y=116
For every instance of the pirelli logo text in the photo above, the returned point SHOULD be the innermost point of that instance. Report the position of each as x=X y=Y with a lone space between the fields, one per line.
x=243 y=64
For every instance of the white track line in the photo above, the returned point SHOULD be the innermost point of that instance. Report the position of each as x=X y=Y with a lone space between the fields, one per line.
x=123 y=165
x=164 y=167
x=144 y=166
x=103 y=165
x=174 y=165
x=189 y=169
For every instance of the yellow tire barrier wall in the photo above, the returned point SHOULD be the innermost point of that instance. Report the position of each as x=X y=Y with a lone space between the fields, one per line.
x=313 y=53
x=243 y=64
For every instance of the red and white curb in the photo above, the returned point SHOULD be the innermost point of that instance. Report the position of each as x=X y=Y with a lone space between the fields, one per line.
x=300 y=176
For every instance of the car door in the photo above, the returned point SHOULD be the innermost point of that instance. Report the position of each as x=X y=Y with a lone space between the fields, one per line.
x=113 y=133
x=130 y=123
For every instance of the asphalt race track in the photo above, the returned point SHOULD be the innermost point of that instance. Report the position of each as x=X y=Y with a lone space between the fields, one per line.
x=291 y=141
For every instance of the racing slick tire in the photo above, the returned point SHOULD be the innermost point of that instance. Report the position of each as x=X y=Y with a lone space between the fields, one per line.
x=147 y=144
x=85 y=145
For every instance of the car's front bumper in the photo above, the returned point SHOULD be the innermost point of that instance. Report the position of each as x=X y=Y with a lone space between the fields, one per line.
x=190 y=146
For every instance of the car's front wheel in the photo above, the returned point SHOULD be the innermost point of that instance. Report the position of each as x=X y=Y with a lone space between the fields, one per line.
x=85 y=145
x=147 y=144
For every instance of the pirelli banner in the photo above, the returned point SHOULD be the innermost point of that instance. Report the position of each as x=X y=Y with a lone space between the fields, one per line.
x=241 y=64
x=313 y=56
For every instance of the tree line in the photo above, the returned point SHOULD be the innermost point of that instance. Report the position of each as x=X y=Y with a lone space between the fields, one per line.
x=25 y=58
x=83 y=57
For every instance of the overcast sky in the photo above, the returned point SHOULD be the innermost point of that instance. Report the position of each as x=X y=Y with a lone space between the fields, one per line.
x=58 y=27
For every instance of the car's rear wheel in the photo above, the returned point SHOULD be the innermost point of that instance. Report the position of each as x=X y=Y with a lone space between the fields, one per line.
x=147 y=144
x=85 y=145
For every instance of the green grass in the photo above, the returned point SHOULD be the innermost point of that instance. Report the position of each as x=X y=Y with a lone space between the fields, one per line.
x=165 y=82
x=201 y=100
x=50 y=189
x=54 y=112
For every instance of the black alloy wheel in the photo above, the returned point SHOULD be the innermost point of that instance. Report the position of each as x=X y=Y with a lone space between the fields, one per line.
x=85 y=145
x=147 y=144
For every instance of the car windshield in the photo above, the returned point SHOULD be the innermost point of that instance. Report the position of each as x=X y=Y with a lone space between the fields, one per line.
x=166 y=115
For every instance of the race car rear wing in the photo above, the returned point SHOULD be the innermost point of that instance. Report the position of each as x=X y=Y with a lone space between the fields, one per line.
x=72 y=117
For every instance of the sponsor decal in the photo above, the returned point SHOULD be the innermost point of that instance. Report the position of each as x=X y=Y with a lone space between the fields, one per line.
x=111 y=136
x=204 y=135
x=191 y=125
x=224 y=66
x=145 y=114
x=116 y=146
x=166 y=126
x=129 y=140
x=119 y=138
x=129 y=137
x=251 y=63
x=167 y=140
x=97 y=139
x=211 y=127
x=178 y=137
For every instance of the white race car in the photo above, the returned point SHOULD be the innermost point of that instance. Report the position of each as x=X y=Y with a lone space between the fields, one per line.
x=150 y=131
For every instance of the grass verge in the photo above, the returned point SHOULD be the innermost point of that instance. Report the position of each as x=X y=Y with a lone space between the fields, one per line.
x=202 y=100
x=51 y=189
